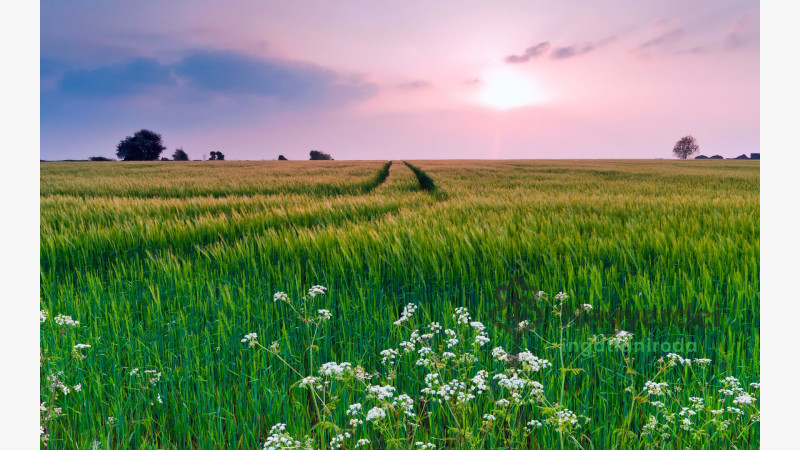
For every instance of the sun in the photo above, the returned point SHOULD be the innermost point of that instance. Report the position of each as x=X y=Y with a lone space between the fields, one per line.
x=505 y=89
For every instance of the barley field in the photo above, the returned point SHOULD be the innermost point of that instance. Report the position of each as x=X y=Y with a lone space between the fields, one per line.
x=422 y=304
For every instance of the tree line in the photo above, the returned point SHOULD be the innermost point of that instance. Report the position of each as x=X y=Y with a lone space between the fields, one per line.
x=146 y=145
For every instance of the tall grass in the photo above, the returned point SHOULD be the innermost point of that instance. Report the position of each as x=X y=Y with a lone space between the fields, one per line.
x=168 y=270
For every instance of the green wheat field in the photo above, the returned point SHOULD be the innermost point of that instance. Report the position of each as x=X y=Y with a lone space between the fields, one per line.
x=428 y=304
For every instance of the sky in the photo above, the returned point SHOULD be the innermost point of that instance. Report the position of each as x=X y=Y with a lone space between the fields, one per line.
x=412 y=79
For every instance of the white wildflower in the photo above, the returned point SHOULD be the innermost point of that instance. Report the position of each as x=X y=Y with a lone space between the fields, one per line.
x=405 y=404
x=389 y=355
x=499 y=354
x=621 y=338
x=481 y=340
x=654 y=388
x=408 y=312
x=534 y=424
x=316 y=290
x=461 y=315
x=310 y=383
x=354 y=409
x=337 y=440
x=251 y=339
x=334 y=369
x=531 y=362
x=66 y=321
x=676 y=359
x=380 y=392
x=375 y=414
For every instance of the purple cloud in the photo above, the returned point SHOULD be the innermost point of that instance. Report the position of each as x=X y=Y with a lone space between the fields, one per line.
x=531 y=52
x=414 y=85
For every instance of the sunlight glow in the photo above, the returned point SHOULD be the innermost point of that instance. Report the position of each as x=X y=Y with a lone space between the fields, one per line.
x=507 y=89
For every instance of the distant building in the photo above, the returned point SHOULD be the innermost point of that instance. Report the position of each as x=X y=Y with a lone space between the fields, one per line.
x=742 y=156
x=755 y=155
x=716 y=157
x=701 y=157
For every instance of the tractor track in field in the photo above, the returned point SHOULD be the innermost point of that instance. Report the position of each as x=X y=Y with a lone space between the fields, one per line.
x=425 y=181
x=379 y=178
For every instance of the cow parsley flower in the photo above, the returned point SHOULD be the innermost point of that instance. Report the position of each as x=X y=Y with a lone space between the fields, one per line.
x=337 y=440
x=389 y=356
x=380 y=392
x=324 y=314
x=310 y=383
x=375 y=413
x=654 y=388
x=42 y=316
x=560 y=297
x=316 y=290
x=279 y=439
x=251 y=339
x=333 y=369
x=407 y=346
x=408 y=312
x=81 y=346
x=66 y=321
x=481 y=340
x=406 y=404
x=531 y=362
x=621 y=338
x=461 y=315
x=280 y=296
x=362 y=442
x=354 y=409
x=676 y=359
x=479 y=381
x=499 y=354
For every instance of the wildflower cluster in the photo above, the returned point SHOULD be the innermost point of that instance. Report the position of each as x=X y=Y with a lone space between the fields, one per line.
x=279 y=439
x=408 y=312
x=64 y=321
x=457 y=376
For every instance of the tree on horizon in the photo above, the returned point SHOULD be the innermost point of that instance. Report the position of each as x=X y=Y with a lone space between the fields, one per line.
x=686 y=147
x=319 y=156
x=144 y=145
x=180 y=155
